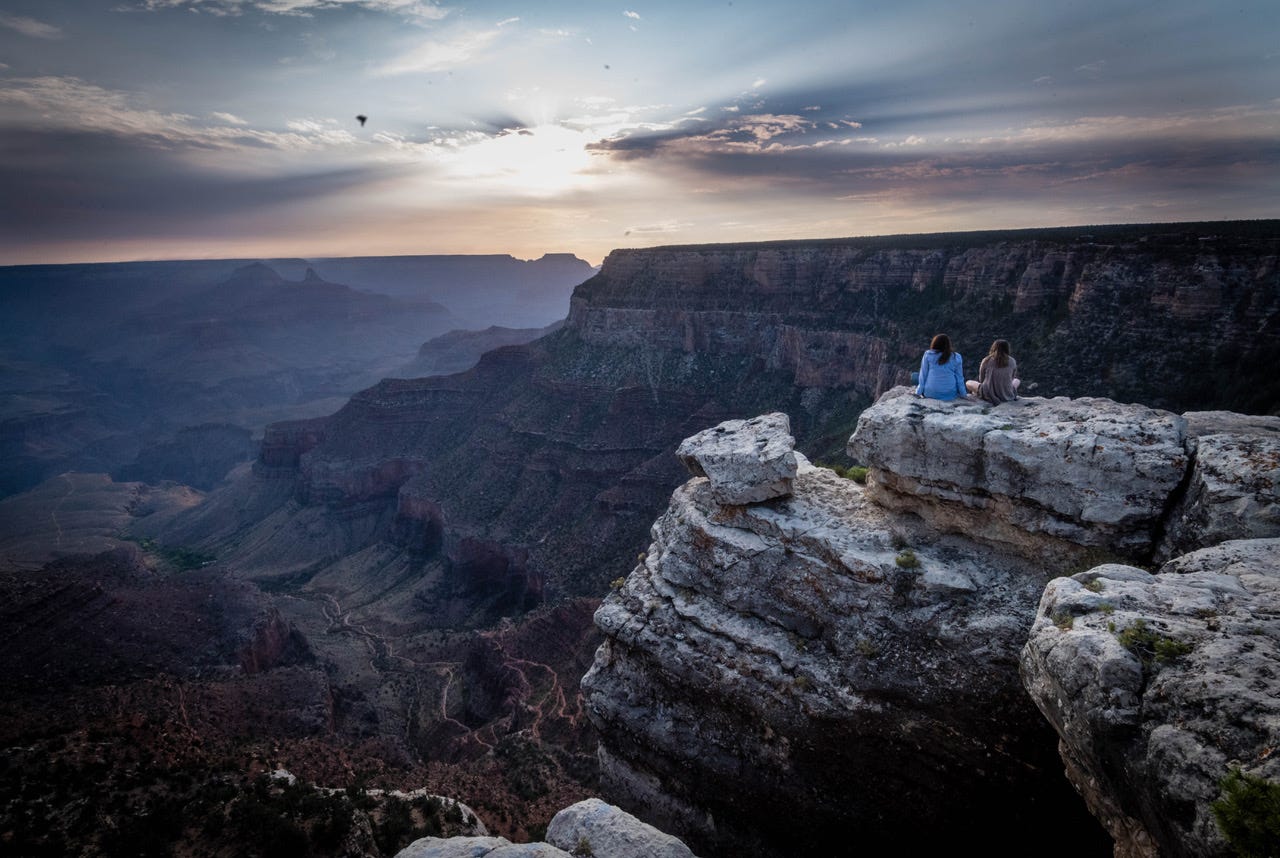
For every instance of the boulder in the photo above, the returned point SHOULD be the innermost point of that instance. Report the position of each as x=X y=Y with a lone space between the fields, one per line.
x=746 y=460
x=593 y=827
x=1159 y=685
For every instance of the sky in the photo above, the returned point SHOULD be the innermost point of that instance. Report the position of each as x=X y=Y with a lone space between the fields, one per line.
x=162 y=129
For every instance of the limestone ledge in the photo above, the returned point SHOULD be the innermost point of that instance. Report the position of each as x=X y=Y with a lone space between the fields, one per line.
x=1062 y=475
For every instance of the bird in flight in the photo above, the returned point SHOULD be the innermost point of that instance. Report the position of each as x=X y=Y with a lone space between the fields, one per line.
x=362 y=119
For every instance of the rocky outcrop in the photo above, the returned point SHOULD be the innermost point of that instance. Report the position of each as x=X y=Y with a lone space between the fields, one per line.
x=744 y=460
x=1234 y=488
x=1159 y=685
x=591 y=827
x=1062 y=475
x=274 y=643
x=1035 y=473
x=763 y=651
x=595 y=827
x=816 y=657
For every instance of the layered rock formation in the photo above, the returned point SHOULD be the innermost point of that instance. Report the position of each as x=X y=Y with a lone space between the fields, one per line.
x=579 y=426
x=852 y=654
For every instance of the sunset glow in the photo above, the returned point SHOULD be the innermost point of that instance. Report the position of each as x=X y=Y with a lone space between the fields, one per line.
x=173 y=128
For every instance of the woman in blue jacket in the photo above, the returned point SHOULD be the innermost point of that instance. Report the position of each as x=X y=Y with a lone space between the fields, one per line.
x=941 y=371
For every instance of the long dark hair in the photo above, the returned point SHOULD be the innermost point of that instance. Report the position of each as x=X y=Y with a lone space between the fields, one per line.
x=1000 y=351
x=942 y=345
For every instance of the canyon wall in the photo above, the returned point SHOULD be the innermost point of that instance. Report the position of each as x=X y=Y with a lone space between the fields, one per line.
x=556 y=455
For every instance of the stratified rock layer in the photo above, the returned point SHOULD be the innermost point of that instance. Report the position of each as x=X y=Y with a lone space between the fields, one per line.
x=1158 y=685
x=790 y=660
x=1089 y=472
x=762 y=652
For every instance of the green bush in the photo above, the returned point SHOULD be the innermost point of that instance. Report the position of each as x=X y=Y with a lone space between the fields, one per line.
x=1248 y=814
x=907 y=559
x=857 y=473
x=1151 y=646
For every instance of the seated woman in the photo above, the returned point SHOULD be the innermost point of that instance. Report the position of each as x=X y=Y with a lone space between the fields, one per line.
x=941 y=371
x=997 y=375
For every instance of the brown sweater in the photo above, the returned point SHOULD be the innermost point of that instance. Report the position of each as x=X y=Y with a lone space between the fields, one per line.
x=995 y=383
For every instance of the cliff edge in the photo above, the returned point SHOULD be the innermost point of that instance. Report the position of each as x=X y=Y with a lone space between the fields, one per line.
x=854 y=656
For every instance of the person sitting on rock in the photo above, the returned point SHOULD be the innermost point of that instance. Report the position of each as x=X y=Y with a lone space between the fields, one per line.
x=941 y=371
x=997 y=376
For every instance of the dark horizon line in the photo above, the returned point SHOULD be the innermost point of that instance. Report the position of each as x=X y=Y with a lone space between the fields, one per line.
x=1258 y=227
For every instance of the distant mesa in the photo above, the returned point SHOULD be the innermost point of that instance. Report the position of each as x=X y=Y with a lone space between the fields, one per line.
x=256 y=273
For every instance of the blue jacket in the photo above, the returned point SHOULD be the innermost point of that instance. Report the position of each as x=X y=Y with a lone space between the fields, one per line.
x=941 y=381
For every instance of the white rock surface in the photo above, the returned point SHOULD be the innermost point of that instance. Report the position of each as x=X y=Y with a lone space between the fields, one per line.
x=453 y=847
x=590 y=827
x=596 y=828
x=477 y=847
x=760 y=654
x=1147 y=733
x=1234 y=492
x=1089 y=472
x=746 y=460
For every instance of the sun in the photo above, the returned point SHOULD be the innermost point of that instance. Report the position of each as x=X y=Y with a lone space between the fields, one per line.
x=542 y=161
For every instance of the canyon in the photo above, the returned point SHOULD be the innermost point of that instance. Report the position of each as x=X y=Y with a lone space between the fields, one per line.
x=419 y=568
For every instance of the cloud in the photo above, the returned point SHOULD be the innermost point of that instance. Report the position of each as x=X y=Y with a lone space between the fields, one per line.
x=77 y=186
x=417 y=10
x=505 y=21
x=1094 y=69
x=228 y=118
x=635 y=16
x=748 y=134
x=30 y=27
x=663 y=228
x=909 y=140
x=759 y=82
x=434 y=55
x=70 y=104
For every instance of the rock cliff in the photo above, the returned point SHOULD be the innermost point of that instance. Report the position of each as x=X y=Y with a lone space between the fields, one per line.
x=852 y=654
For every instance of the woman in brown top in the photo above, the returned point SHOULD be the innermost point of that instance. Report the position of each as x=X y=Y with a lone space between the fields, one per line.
x=997 y=381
